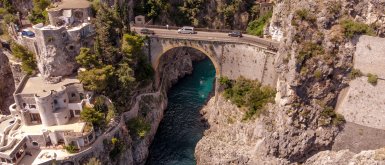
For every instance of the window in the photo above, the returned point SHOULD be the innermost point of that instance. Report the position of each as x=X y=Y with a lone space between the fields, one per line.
x=73 y=95
x=32 y=106
x=55 y=101
x=65 y=100
x=24 y=105
x=77 y=112
x=35 y=144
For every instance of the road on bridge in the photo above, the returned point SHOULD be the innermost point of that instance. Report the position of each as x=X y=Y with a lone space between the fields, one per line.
x=210 y=36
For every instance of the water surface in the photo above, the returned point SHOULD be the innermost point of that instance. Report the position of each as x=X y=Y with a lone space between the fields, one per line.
x=181 y=128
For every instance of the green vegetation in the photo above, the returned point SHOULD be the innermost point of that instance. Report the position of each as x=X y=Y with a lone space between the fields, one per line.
x=334 y=7
x=39 y=13
x=117 y=63
x=28 y=61
x=117 y=147
x=249 y=94
x=318 y=74
x=372 y=79
x=111 y=113
x=336 y=119
x=93 y=116
x=352 y=28
x=93 y=161
x=355 y=73
x=8 y=12
x=151 y=8
x=70 y=148
x=139 y=127
x=191 y=9
x=256 y=27
x=309 y=50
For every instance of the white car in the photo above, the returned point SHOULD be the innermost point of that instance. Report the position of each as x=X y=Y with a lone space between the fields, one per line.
x=186 y=30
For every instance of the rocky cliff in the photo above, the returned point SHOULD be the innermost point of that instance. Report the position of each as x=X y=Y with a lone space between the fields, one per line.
x=148 y=105
x=7 y=85
x=315 y=58
x=217 y=14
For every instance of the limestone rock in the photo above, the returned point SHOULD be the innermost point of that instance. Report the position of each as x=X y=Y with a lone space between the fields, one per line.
x=7 y=85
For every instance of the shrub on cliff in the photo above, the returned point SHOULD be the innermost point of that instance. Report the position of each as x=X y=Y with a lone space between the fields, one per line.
x=93 y=116
x=309 y=50
x=352 y=28
x=28 y=61
x=329 y=116
x=39 y=13
x=93 y=161
x=70 y=149
x=138 y=126
x=249 y=94
x=355 y=73
x=256 y=27
x=372 y=79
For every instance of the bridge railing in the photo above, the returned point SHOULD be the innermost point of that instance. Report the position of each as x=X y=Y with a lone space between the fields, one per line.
x=272 y=46
x=177 y=27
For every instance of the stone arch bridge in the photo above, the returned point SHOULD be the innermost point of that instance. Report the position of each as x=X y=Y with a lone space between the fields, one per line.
x=231 y=57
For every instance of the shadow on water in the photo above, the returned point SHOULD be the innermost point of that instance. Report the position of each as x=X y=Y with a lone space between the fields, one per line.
x=182 y=127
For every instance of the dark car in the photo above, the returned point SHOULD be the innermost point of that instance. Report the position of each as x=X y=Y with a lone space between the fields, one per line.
x=235 y=34
x=27 y=33
x=147 y=31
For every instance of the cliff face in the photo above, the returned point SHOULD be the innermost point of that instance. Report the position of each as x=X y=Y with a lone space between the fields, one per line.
x=218 y=14
x=7 y=85
x=150 y=106
x=314 y=60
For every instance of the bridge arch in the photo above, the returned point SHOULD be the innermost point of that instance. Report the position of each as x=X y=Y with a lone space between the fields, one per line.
x=167 y=49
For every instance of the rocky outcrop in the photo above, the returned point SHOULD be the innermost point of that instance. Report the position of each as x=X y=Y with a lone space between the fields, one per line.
x=347 y=157
x=229 y=139
x=314 y=60
x=7 y=85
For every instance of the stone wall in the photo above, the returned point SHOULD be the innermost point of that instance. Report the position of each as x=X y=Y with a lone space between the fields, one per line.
x=230 y=59
x=57 y=49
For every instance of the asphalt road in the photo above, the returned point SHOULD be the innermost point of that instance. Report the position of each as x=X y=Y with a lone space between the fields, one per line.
x=210 y=36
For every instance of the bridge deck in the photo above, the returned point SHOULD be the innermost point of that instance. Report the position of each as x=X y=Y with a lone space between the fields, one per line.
x=212 y=36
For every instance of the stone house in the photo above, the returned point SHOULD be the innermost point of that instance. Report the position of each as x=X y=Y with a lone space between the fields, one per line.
x=45 y=117
x=57 y=44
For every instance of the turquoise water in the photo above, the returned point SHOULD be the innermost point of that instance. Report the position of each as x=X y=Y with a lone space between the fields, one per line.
x=181 y=127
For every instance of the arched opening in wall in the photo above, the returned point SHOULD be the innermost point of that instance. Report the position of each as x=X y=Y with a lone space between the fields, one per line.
x=181 y=59
x=189 y=75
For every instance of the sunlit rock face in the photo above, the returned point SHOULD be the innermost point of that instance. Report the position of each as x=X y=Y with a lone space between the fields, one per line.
x=7 y=84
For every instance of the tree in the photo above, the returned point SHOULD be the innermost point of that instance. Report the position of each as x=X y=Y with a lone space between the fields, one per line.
x=125 y=74
x=7 y=5
x=107 y=36
x=139 y=126
x=38 y=13
x=93 y=116
x=96 y=79
x=87 y=59
x=28 y=61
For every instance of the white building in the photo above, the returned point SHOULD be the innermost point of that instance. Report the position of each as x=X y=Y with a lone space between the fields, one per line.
x=45 y=117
